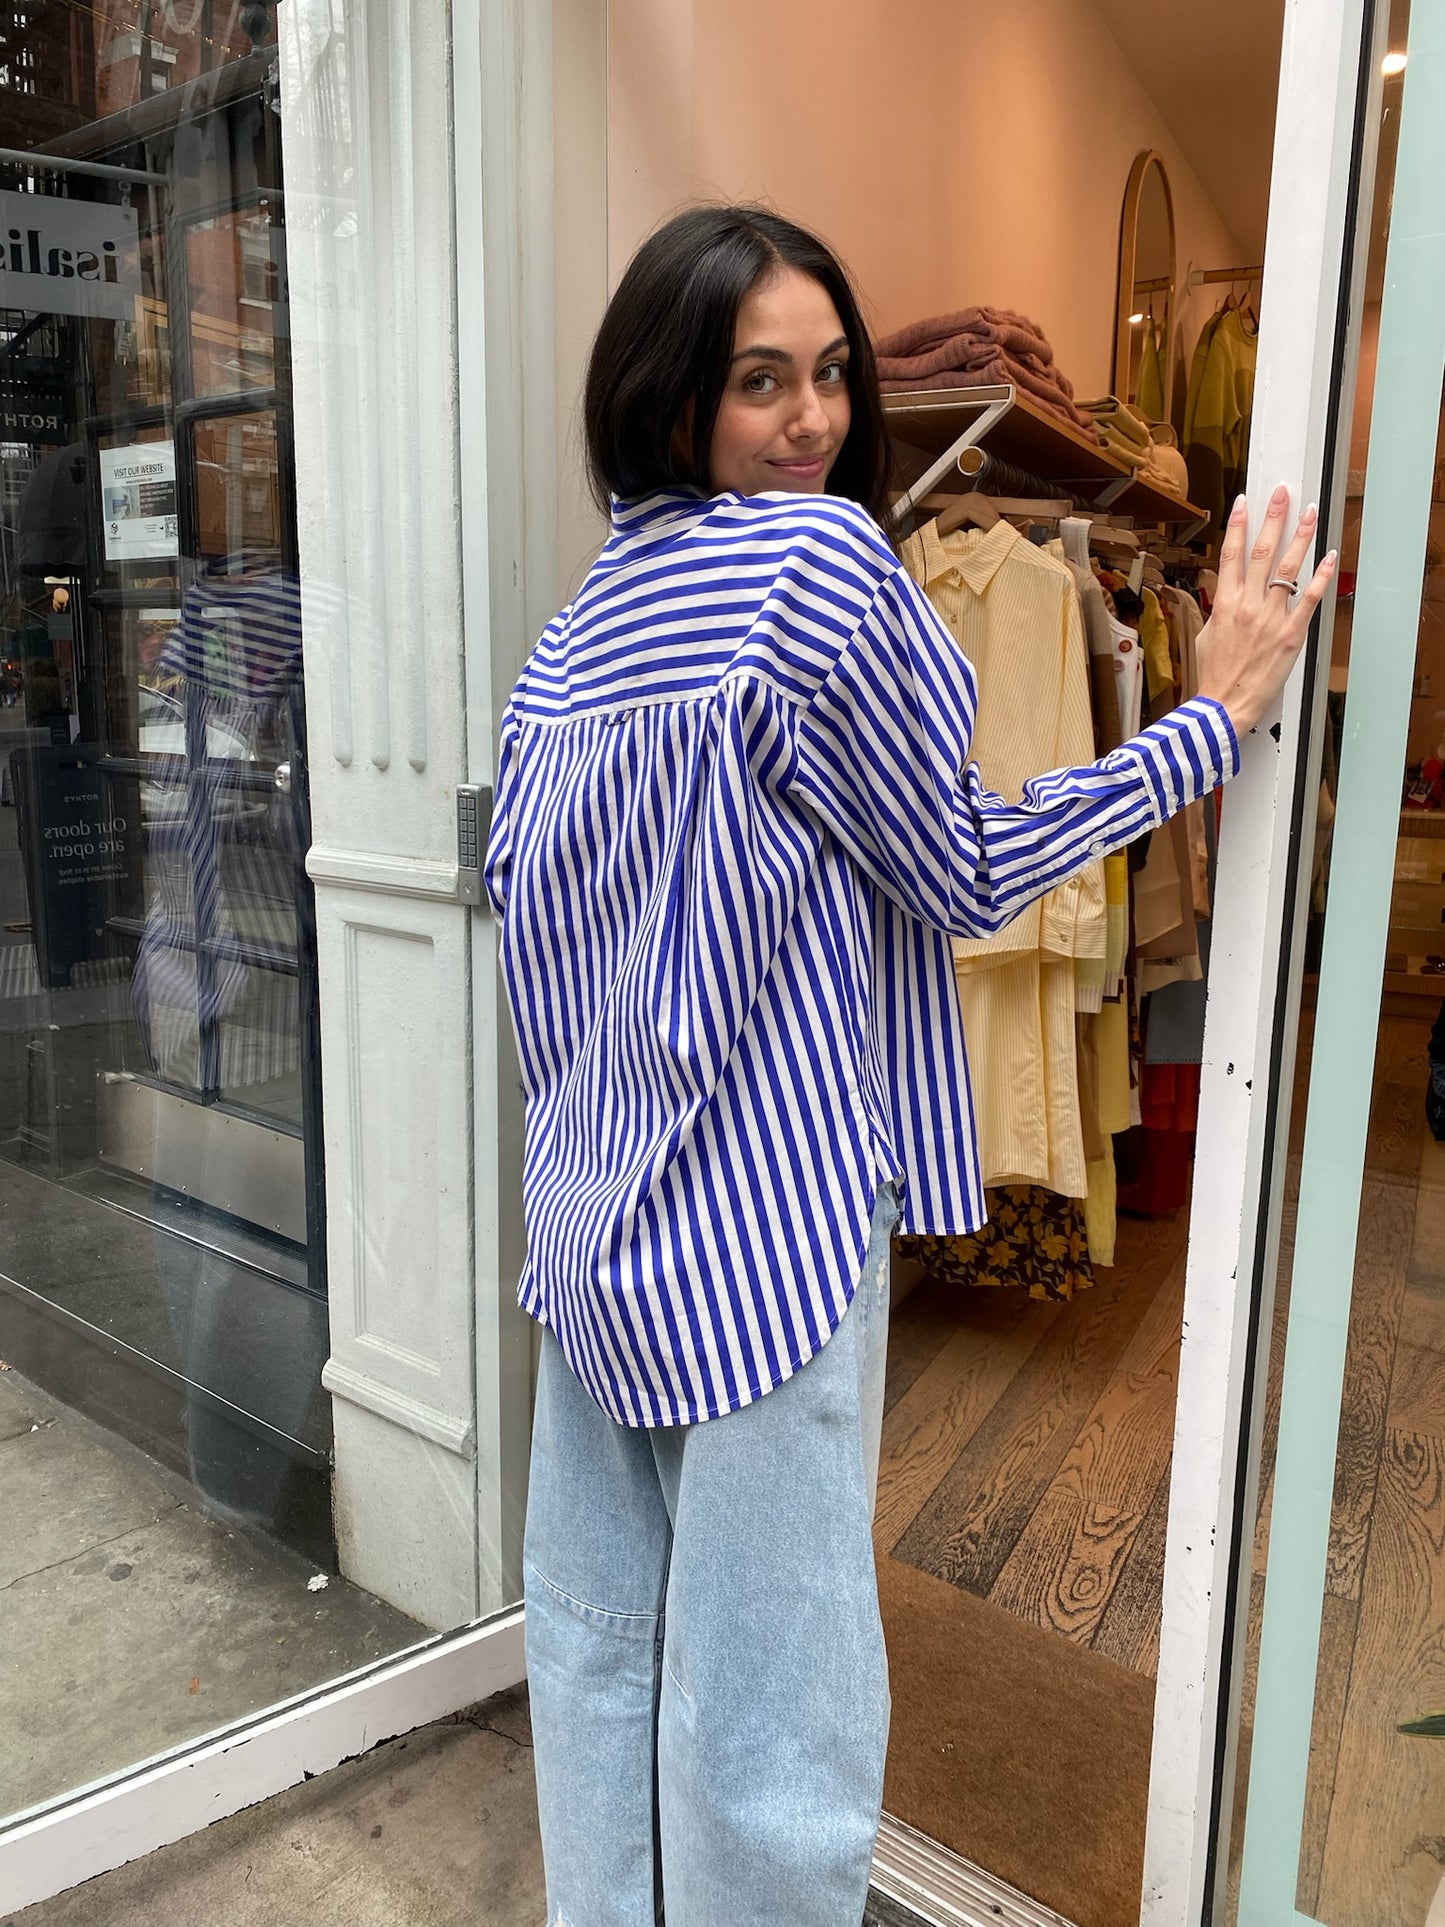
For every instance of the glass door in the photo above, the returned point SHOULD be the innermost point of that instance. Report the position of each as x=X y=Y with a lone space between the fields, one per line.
x=1341 y=1767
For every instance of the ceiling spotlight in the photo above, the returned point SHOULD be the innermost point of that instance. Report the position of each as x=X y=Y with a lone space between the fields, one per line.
x=1136 y=321
x=1393 y=64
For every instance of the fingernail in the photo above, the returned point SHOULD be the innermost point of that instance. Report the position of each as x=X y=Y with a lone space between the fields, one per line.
x=1312 y=513
x=1332 y=558
x=1238 y=508
x=1281 y=492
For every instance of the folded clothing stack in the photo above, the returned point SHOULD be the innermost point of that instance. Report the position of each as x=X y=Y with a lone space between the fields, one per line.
x=1122 y=429
x=973 y=347
x=1150 y=448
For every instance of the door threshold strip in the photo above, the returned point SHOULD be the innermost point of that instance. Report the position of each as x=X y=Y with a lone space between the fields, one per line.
x=918 y=1883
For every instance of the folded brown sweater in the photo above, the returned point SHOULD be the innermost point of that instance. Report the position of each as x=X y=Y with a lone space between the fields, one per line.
x=973 y=347
x=999 y=326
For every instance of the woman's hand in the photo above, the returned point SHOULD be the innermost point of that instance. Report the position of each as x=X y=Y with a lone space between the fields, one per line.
x=1254 y=633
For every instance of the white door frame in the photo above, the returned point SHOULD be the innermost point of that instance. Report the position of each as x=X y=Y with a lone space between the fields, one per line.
x=157 y=1802
x=1307 y=353
x=502 y=149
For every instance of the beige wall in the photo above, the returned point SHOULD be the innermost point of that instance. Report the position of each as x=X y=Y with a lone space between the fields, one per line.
x=954 y=151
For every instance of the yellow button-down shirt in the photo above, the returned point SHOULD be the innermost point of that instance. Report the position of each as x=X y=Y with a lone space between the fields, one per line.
x=1015 y=613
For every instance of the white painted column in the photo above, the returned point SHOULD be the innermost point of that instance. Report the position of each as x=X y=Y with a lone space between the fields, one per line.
x=369 y=216
x=529 y=88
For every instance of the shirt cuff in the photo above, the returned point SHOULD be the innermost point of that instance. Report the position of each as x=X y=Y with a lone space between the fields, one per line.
x=1188 y=753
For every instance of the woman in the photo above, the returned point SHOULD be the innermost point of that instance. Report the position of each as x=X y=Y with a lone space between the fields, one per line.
x=734 y=829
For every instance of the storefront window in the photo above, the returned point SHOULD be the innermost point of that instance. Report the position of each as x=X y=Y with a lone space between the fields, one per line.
x=1341 y=1775
x=170 y=1551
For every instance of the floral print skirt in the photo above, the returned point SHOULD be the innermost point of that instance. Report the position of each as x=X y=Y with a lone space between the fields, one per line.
x=1034 y=1240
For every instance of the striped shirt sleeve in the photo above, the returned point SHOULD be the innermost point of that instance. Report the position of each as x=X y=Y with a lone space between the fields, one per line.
x=882 y=759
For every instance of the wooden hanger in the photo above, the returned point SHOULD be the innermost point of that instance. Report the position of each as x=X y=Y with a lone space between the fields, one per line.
x=970 y=509
x=1113 y=541
x=1052 y=510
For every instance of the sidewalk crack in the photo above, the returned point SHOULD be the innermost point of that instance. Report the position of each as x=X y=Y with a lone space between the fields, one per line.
x=484 y=1726
x=84 y=1551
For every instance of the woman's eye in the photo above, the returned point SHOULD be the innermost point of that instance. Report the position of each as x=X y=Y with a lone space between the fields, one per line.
x=833 y=372
x=761 y=381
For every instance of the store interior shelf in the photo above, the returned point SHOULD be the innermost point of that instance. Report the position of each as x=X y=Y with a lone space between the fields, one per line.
x=1416 y=982
x=1030 y=437
x=1149 y=504
x=1417 y=908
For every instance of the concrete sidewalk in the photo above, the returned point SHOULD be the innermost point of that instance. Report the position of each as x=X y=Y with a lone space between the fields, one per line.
x=438 y=1829
x=133 y=1622
x=435 y=1830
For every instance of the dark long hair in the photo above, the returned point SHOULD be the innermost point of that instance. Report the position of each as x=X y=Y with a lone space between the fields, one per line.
x=666 y=340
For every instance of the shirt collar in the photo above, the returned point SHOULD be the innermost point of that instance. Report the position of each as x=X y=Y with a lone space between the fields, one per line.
x=974 y=556
x=640 y=513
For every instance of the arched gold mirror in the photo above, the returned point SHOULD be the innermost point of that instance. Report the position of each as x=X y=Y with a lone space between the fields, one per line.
x=1144 y=326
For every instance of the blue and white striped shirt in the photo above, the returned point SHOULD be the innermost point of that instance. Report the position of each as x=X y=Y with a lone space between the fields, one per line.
x=734 y=827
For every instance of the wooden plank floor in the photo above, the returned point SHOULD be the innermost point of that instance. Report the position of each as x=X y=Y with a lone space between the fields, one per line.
x=1026 y=1459
x=1026 y=1444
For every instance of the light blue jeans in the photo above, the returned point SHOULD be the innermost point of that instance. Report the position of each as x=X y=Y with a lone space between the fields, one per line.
x=704 y=1653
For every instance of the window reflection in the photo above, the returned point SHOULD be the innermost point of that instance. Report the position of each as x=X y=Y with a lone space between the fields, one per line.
x=233 y=287
x=161 y=1256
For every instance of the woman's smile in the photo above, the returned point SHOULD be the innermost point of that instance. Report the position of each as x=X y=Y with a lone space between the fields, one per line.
x=801 y=468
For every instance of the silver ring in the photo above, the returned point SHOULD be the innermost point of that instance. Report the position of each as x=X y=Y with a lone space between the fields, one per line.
x=1282 y=582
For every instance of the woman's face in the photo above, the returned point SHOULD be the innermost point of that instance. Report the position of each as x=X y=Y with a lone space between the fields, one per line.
x=786 y=409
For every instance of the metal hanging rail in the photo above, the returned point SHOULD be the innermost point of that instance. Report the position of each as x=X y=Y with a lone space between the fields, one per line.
x=993 y=474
